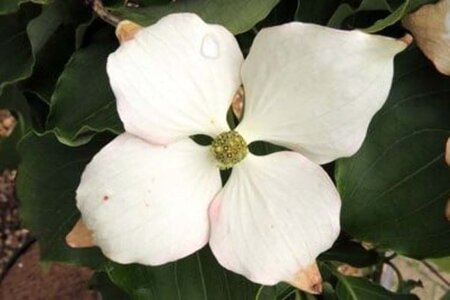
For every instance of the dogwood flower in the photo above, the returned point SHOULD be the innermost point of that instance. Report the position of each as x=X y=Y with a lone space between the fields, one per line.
x=153 y=195
x=430 y=26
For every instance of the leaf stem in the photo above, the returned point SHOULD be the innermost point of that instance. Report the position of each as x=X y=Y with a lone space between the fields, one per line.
x=103 y=13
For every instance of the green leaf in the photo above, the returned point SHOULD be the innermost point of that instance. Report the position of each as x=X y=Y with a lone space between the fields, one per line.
x=415 y=4
x=40 y=50
x=9 y=157
x=13 y=100
x=83 y=103
x=316 y=11
x=15 y=49
x=354 y=288
x=351 y=253
x=357 y=288
x=39 y=109
x=280 y=291
x=396 y=11
x=391 y=19
x=299 y=295
x=9 y=6
x=48 y=176
x=52 y=36
x=12 y=6
x=81 y=31
x=198 y=276
x=346 y=10
x=395 y=188
x=101 y=283
x=236 y=15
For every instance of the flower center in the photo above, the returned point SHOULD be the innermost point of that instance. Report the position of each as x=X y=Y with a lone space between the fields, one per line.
x=229 y=148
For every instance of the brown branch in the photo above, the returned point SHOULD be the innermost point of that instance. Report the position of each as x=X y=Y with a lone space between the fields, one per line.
x=100 y=10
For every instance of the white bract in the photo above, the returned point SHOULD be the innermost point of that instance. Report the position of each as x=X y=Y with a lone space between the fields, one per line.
x=430 y=26
x=152 y=195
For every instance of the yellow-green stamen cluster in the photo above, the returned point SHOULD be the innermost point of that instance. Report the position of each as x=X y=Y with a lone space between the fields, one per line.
x=229 y=148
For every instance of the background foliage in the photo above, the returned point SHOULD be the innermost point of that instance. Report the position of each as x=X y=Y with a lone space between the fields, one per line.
x=53 y=78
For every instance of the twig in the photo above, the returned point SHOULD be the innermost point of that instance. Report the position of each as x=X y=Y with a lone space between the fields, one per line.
x=100 y=10
x=390 y=257
x=436 y=273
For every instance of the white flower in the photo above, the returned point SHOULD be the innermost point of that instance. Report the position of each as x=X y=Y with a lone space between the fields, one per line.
x=430 y=26
x=153 y=196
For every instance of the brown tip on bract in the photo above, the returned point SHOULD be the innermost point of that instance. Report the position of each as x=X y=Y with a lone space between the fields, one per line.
x=308 y=279
x=126 y=30
x=80 y=236
x=407 y=39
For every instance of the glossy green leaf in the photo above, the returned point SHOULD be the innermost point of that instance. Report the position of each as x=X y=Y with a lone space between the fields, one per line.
x=52 y=36
x=198 y=276
x=283 y=12
x=238 y=16
x=108 y=290
x=15 y=49
x=391 y=19
x=83 y=103
x=39 y=109
x=351 y=253
x=48 y=176
x=345 y=10
x=395 y=11
x=12 y=6
x=9 y=6
x=299 y=295
x=397 y=14
x=280 y=291
x=82 y=30
x=316 y=11
x=9 y=157
x=355 y=288
x=395 y=189
x=416 y=4
x=13 y=100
